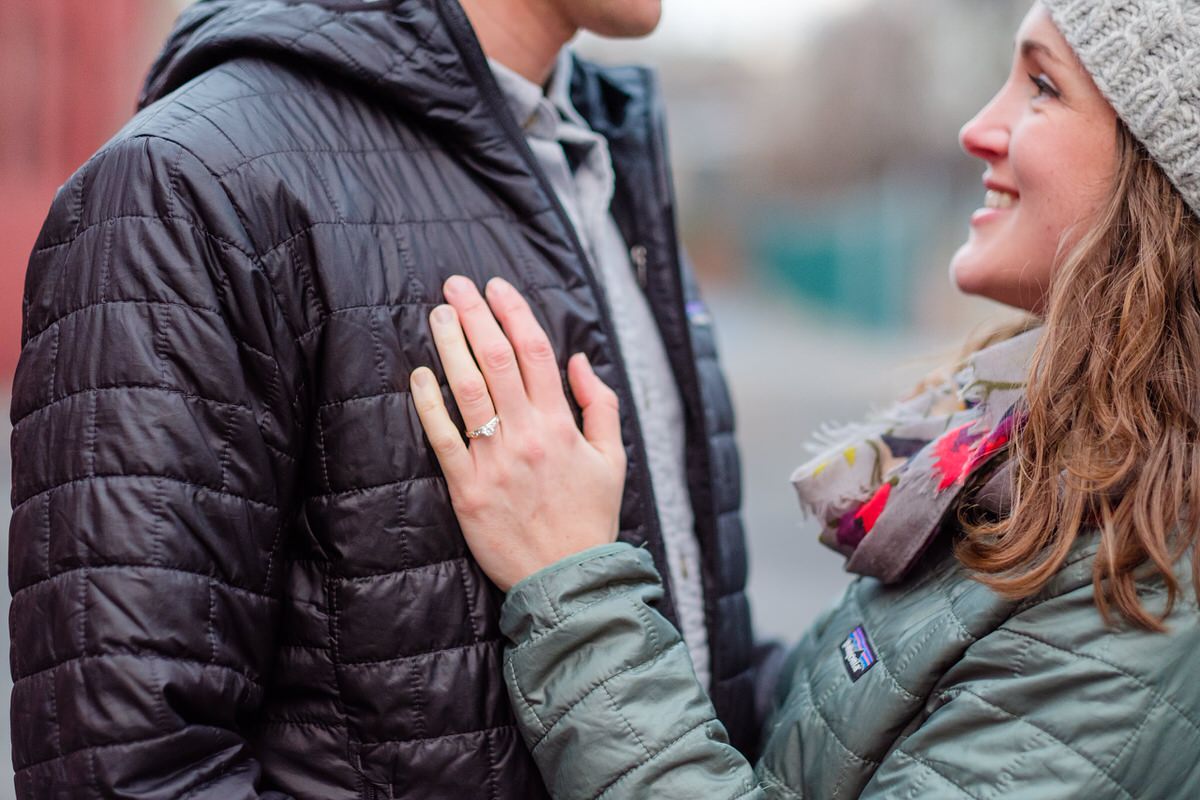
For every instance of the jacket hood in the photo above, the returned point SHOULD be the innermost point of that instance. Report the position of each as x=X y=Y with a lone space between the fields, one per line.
x=420 y=57
x=396 y=47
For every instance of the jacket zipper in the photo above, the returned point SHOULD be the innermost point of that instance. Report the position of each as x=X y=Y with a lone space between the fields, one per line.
x=712 y=590
x=464 y=38
x=640 y=258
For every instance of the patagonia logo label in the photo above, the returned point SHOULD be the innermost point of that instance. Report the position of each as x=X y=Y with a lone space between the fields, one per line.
x=857 y=654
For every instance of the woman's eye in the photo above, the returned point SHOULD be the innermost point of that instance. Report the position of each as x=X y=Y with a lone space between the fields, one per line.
x=1043 y=86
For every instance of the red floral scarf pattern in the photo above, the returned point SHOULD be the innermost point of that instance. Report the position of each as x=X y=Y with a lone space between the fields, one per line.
x=882 y=488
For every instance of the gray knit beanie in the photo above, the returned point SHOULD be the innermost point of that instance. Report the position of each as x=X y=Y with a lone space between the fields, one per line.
x=1144 y=55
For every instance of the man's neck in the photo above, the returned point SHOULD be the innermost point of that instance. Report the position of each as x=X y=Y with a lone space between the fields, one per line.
x=523 y=35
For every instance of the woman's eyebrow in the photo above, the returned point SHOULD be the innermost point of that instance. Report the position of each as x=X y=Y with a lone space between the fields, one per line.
x=1030 y=46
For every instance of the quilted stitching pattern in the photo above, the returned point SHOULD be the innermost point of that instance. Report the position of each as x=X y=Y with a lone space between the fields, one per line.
x=234 y=564
x=971 y=696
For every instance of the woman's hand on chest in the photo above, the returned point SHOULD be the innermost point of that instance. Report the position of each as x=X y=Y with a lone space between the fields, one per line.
x=528 y=486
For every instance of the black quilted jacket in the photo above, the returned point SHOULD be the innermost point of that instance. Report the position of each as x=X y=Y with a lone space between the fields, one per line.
x=235 y=569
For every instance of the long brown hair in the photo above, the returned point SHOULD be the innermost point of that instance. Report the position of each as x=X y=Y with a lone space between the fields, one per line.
x=1111 y=442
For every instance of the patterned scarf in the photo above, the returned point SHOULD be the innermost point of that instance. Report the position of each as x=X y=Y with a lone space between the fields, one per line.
x=882 y=488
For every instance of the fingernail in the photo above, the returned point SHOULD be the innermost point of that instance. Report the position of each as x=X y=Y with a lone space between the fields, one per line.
x=456 y=285
x=500 y=285
x=443 y=315
x=422 y=378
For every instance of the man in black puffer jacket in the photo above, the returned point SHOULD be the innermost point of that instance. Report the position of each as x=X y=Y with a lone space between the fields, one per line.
x=235 y=569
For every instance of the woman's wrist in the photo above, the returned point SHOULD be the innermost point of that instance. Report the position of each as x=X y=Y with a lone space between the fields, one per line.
x=566 y=562
x=547 y=598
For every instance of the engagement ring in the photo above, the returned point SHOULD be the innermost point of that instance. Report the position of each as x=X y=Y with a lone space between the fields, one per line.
x=486 y=430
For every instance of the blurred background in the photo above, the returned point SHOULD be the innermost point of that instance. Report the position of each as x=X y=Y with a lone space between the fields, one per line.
x=821 y=192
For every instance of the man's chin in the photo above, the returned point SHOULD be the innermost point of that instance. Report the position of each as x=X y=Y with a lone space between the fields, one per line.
x=628 y=20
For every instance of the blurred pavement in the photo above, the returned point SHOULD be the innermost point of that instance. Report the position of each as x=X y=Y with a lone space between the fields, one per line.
x=790 y=372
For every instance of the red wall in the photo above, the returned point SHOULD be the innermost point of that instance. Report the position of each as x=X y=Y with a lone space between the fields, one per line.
x=69 y=75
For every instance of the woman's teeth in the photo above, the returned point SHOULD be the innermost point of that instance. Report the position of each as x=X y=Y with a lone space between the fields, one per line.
x=995 y=199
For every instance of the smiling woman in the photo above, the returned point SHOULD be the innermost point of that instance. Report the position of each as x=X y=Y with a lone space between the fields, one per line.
x=1047 y=138
x=1024 y=527
x=1114 y=389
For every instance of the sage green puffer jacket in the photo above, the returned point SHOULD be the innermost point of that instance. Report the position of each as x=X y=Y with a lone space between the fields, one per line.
x=959 y=693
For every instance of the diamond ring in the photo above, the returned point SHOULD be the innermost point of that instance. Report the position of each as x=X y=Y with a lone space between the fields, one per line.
x=486 y=430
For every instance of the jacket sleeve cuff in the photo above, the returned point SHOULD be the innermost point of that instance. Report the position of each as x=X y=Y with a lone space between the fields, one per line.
x=542 y=601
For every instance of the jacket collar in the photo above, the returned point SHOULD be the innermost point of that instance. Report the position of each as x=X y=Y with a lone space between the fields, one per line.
x=538 y=110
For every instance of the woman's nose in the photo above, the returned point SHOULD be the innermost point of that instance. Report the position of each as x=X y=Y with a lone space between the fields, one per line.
x=987 y=135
